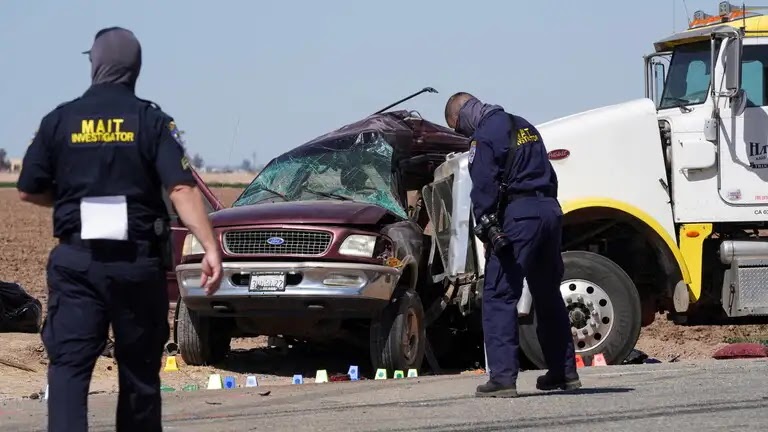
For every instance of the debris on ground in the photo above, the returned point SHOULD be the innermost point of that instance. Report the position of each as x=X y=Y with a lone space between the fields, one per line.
x=741 y=350
x=635 y=357
x=171 y=348
x=19 y=311
x=339 y=377
x=16 y=365
x=109 y=349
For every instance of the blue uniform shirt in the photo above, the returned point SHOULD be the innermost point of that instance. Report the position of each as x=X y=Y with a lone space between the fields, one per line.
x=531 y=171
x=106 y=143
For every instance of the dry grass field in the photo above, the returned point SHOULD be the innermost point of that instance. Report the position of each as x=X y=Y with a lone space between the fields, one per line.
x=211 y=178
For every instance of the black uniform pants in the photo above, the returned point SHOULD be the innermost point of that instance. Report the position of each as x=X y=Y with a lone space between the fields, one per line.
x=90 y=287
x=534 y=227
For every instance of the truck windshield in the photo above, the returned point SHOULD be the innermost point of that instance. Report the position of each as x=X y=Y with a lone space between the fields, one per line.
x=354 y=168
x=687 y=82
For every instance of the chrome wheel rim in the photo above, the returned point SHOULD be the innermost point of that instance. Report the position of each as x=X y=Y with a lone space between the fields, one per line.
x=590 y=313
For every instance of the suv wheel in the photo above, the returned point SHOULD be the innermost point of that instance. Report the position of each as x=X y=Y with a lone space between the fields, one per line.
x=398 y=335
x=201 y=340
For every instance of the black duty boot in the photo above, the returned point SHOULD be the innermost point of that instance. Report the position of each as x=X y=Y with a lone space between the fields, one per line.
x=550 y=381
x=494 y=389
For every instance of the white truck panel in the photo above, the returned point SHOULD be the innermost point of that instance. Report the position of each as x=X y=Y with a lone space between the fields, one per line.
x=694 y=190
x=615 y=161
x=744 y=150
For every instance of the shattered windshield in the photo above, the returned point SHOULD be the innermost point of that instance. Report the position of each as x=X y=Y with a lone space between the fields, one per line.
x=353 y=168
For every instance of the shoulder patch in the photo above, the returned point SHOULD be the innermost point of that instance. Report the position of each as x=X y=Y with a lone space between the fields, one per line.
x=525 y=136
x=472 y=147
x=185 y=165
x=175 y=132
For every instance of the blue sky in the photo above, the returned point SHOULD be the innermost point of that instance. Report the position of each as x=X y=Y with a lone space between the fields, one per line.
x=292 y=70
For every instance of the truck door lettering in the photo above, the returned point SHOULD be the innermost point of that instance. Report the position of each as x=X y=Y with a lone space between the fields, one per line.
x=758 y=155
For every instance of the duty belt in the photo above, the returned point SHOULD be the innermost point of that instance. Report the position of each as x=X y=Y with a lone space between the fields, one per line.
x=528 y=194
x=150 y=248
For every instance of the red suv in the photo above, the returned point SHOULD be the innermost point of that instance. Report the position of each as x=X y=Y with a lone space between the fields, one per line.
x=323 y=245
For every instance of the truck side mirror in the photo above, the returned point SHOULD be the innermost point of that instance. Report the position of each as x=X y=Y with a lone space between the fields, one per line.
x=732 y=60
x=739 y=103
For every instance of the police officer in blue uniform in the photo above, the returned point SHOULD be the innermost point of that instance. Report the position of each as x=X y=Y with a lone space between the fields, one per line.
x=101 y=162
x=519 y=220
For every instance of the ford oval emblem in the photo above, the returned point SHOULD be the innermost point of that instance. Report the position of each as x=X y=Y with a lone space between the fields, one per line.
x=558 y=154
x=275 y=241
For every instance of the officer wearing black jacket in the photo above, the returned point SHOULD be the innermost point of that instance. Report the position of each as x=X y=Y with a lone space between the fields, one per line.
x=101 y=162
x=514 y=199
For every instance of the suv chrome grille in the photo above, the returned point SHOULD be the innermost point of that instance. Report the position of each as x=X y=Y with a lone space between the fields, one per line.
x=276 y=242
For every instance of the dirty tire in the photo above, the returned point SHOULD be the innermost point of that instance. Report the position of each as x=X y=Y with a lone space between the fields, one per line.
x=623 y=296
x=198 y=343
x=398 y=336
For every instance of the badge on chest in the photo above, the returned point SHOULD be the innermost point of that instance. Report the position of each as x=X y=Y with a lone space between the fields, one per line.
x=472 y=148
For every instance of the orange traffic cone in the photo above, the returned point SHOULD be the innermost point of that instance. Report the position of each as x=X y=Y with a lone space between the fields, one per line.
x=579 y=362
x=599 y=360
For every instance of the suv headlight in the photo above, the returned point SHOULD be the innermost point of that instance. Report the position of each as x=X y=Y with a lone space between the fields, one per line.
x=192 y=246
x=358 y=245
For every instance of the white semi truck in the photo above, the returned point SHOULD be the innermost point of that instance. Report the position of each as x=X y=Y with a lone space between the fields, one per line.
x=664 y=197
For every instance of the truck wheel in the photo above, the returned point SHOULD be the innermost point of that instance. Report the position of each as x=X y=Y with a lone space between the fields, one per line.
x=398 y=336
x=603 y=306
x=199 y=341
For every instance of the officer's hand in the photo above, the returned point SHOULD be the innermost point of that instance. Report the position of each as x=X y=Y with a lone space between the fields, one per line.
x=211 y=277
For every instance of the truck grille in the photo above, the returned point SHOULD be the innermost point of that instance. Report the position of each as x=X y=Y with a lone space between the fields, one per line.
x=276 y=242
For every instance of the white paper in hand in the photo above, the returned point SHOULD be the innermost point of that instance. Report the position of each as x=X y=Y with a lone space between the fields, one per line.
x=104 y=218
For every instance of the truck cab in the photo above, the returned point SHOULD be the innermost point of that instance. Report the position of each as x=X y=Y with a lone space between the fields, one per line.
x=665 y=198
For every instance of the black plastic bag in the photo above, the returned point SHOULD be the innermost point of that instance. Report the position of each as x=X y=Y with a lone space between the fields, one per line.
x=19 y=311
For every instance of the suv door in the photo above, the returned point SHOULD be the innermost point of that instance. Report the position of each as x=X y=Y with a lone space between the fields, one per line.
x=448 y=205
x=179 y=231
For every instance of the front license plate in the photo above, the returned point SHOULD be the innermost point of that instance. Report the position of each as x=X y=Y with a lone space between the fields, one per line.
x=267 y=282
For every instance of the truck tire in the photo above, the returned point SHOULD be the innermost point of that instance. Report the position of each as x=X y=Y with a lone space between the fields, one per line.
x=592 y=283
x=398 y=336
x=199 y=342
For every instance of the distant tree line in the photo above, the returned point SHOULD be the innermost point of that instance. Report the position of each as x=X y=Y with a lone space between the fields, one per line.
x=5 y=164
x=199 y=163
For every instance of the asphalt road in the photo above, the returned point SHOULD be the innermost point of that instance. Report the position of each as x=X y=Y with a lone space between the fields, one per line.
x=710 y=396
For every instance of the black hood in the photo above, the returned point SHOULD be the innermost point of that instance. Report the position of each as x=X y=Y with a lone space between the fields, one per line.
x=115 y=57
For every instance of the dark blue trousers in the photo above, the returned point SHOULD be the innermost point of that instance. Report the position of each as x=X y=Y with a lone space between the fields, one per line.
x=534 y=227
x=91 y=287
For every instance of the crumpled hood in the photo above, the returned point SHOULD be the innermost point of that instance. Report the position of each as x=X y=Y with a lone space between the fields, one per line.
x=115 y=57
x=324 y=212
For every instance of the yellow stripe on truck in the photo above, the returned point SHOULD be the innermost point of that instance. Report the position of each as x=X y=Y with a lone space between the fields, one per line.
x=652 y=223
x=692 y=238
